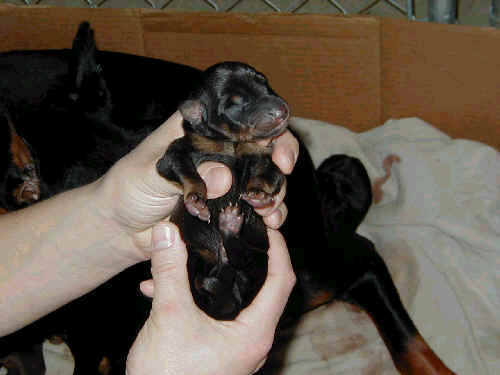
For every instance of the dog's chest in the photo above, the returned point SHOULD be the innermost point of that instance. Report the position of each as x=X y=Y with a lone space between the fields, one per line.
x=227 y=148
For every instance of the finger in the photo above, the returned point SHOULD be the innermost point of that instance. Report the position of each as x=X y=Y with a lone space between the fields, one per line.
x=272 y=298
x=285 y=152
x=217 y=177
x=277 y=217
x=259 y=366
x=145 y=156
x=169 y=267
x=155 y=144
x=147 y=287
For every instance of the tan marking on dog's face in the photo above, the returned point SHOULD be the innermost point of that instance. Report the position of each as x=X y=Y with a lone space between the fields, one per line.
x=21 y=155
x=29 y=190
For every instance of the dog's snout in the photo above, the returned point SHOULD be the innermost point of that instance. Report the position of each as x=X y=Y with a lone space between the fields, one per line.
x=270 y=111
x=280 y=113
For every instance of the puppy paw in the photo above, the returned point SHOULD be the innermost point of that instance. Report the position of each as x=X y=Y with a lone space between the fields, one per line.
x=197 y=206
x=258 y=198
x=28 y=192
x=261 y=190
x=230 y=220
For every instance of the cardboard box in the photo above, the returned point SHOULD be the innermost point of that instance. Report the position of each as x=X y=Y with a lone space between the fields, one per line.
x=355 y=71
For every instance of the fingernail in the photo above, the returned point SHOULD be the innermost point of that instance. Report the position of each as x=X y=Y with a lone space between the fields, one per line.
x=288 y=158
x=213 y=171
x=163 y=237
x=291 y=158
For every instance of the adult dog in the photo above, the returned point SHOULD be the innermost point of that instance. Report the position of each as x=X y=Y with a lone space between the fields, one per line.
x=91 y=111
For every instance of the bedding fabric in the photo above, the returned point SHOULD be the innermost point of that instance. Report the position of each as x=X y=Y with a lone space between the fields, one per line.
x=436 y=222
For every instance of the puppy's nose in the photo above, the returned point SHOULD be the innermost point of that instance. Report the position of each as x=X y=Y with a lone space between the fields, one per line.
x=269 y=111
x=280 y=113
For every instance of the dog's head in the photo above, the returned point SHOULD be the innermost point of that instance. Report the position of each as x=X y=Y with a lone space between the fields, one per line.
x=236 y=103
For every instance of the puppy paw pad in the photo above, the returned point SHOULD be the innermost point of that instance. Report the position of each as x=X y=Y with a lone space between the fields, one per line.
x=230 y=220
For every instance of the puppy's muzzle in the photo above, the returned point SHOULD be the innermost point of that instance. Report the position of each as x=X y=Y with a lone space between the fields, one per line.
x=269 y=117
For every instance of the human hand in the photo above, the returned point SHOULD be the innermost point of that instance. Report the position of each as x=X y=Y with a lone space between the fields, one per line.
x=134 y=197
x=179 y=338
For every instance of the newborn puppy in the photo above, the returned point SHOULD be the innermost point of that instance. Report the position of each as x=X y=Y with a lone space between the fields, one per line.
x=227 y=241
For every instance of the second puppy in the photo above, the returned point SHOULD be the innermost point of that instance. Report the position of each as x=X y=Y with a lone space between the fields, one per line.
x=233 y=108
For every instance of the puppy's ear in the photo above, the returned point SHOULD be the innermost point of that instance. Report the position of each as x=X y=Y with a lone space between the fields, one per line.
x=193 y=111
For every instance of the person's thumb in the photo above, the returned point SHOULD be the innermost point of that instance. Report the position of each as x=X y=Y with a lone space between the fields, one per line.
x=169 y=267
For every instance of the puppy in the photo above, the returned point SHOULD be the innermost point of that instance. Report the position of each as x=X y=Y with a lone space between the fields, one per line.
x=233 y=108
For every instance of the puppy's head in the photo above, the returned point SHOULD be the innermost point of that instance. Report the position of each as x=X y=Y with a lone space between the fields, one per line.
x=236 y=103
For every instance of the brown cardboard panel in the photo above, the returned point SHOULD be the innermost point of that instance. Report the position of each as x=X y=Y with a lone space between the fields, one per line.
x=55 y=27
x=354 y=71
x=326 y=67
x=262 y=24
x=447 y=75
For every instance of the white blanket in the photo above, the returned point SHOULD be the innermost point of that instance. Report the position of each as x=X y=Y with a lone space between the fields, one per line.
x=437 y=225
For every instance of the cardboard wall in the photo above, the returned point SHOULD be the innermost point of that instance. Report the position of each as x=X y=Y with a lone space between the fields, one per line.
x=447 y=75
x=355 y=71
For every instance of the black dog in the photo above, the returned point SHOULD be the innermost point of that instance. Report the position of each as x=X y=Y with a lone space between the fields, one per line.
x=82 y=94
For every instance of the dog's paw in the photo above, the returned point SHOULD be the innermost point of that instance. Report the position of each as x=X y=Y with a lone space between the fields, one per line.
x=262 y=189
x=230 y=220
x=197 y=206
x=258 y=198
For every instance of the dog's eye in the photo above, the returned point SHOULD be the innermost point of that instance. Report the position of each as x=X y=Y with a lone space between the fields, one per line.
x=237 y=99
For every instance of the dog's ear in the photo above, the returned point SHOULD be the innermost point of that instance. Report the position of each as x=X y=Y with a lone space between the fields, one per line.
x=85 y=71
x=193 y=111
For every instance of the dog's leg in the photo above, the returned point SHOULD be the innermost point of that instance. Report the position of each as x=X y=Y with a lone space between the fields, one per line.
x=176 y=166
x=374 y=291
x=347 y=266
x=261 y=179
